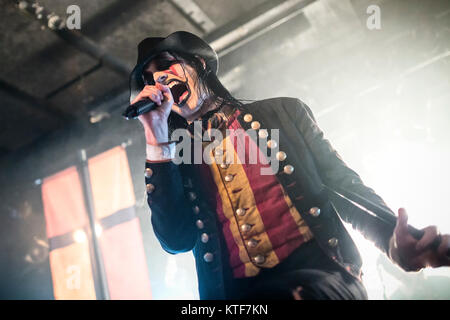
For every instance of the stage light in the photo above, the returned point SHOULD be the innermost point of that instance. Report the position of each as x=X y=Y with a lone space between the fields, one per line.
x=98 y=230
x=79 y=236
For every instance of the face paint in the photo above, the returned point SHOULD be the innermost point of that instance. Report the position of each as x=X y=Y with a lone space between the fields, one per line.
x=174 y=71
x=181 y=79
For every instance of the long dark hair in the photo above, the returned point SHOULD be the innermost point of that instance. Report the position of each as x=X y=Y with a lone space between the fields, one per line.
x=207 y=82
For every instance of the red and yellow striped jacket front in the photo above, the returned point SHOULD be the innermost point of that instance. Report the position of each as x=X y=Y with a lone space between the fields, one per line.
x=259 y=222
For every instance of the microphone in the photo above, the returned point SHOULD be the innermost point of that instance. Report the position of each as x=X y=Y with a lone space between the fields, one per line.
x=136 y=109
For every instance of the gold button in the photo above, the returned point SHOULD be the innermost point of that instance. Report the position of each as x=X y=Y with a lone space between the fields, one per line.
x=148 y=172
x=288 y=169
x=200 y=224
x=314 y=211
x=196 y=210
x=248 y=117
x=281 y=156
x=224 y=165
x=205 y=237
x=246 y=227
x=259 y=259
x=263 y=133
x=229 y=178
x=150 y=188
x=192 y=196
x=272 y=144
x=252 y=243
x=255 y=125
x=240 y=212
x=208 y=257
x=333 y=242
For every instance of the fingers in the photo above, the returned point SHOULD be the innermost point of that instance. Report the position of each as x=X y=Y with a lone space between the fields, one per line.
x=296 y=293
x=165 y=91
x=443 y=250
x=401 y=233
x=151 y=92
x=430 y=233
x=412 y=254
x=167 y=96
x=402 y=221
x=419 y=261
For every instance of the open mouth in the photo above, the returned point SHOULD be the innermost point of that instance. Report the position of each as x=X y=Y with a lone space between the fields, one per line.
x=180 y=92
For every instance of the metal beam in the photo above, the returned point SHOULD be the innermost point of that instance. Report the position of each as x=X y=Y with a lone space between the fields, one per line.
x=224 y=40
x=194 y=14
x=73 y=81
x=390 y=81
x=95 y=26
x=89 y=47
x=107 y=18
x=238 y=32
x=34 y=104
x=262 y=19
x=102 y=290
x=74 y=37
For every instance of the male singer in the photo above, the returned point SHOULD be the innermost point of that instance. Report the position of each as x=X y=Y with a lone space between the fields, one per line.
x=255 y=235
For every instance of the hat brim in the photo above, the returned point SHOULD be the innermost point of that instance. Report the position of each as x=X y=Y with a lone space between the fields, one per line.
x=181 y=42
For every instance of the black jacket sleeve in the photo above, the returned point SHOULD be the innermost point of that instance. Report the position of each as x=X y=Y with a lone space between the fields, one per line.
x=171 y=215
x=336 y=174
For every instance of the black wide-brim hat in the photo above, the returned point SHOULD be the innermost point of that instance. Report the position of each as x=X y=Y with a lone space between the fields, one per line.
x=181 y=42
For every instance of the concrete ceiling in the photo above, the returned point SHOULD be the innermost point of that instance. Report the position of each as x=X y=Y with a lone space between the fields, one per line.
x=45 y=82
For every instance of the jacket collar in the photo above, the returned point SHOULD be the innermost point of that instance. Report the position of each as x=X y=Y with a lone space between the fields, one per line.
x=218 y=118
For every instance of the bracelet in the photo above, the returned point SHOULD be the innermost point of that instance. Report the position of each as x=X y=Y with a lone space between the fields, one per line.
x=159 y=152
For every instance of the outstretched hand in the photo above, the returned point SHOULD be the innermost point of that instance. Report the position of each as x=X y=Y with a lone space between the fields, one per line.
x=412 y=254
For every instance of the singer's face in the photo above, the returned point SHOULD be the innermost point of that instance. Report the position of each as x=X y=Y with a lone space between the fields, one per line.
x=182 y=81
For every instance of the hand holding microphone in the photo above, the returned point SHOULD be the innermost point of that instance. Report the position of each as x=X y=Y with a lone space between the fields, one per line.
x=412 y=253
x=155 y=121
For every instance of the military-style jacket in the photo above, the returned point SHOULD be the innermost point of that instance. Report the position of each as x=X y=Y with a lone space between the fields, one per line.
x=311 y=162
